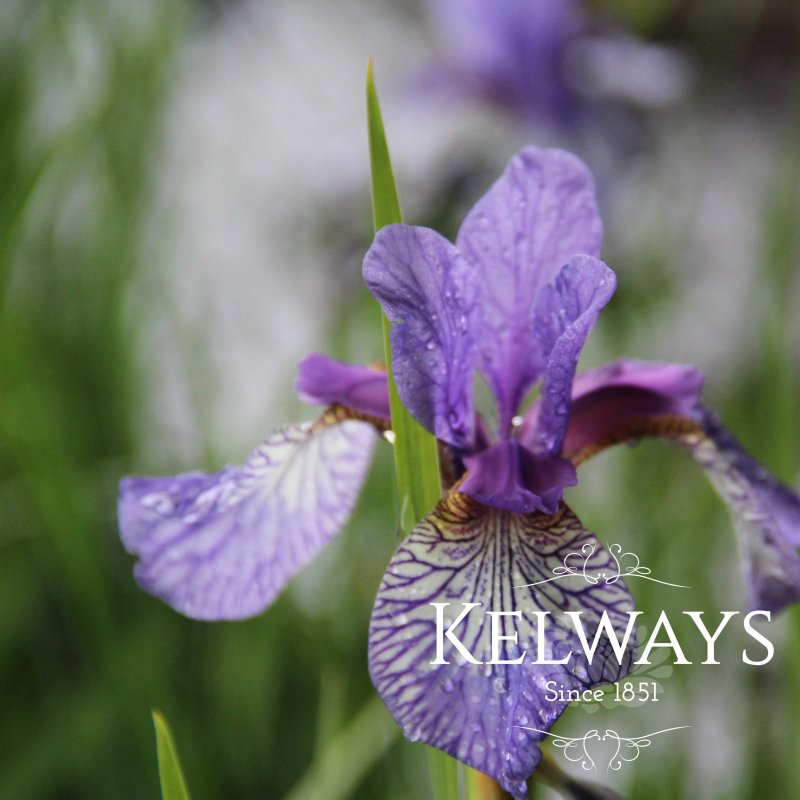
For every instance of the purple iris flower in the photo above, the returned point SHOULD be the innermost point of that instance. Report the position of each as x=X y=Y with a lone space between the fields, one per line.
x=549 y=60
x=513 y=301
x=512 y=53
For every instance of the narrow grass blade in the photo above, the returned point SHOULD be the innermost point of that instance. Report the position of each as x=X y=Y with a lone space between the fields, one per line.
x=173 y=786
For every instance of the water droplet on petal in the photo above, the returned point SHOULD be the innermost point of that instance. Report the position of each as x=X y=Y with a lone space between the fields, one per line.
x=413 y=734
x=447 y=685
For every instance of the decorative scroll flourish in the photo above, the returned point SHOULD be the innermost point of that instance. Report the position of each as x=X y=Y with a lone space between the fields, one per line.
x=626 y=565
x=627 y=748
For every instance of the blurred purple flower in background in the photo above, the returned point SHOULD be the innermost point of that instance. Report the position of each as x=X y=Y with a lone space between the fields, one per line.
x=514 y=299
x=511 y=53
x=548 y=60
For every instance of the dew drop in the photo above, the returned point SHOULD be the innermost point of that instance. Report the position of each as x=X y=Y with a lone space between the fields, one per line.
x=447 y=685
x=413 y=734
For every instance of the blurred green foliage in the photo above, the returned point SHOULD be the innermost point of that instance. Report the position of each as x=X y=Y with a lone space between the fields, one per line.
x=281 y=705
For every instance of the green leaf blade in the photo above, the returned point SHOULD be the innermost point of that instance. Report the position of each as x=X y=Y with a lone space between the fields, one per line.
x=416 y=455
x=173 y=785
x=415 y=450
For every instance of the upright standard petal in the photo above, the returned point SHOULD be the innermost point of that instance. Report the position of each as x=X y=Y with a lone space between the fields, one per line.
x=221 y=546
x=324 y=381
x=429 y=293
x=635 y=399
x=539 y=214
x=564 y=315
x=492 y=715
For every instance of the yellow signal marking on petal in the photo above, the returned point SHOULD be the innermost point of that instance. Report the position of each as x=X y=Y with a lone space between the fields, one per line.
x=668 y=426
x=338 y=413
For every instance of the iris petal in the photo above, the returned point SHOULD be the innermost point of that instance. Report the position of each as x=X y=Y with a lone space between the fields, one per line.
x=222 y=545
x=428 y=292
x=539 y=214
x=323 y=381
x=609 y=400
x=508 y=476
x=564 y=315
x=766 y=514
x=483 y=714
x=636 y=399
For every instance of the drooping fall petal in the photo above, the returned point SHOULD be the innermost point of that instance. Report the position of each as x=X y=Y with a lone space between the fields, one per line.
x=490 y=716
x=223 y=545
x=766 y=513
x=636 y=399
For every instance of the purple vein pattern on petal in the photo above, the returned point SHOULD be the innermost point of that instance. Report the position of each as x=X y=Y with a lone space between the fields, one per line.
x=539 y=214
x=429 y=293
x=635 y=399
x=323 y=381
x=222 y=545
x=766 y=514
x=490 y=716
x=565 y=313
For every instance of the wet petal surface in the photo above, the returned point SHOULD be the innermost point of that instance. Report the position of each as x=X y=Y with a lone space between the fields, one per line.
x=222 y=545
x=538 y=215
x=564 y=315
x=482 y=713
x=429 y=293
